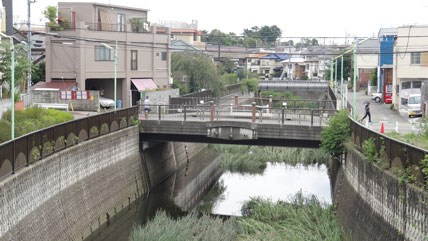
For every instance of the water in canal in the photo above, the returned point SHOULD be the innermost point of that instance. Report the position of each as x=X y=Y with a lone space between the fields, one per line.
x=206 y=187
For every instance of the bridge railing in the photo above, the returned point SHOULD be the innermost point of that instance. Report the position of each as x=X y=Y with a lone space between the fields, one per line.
x=24 y=150
x=249 y=113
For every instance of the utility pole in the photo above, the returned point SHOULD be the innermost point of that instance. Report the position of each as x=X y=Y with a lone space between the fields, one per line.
x=355 y=79
x=29 y=2
x=219 y=57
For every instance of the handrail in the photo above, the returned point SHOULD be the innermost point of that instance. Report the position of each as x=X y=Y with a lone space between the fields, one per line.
x=39 y=144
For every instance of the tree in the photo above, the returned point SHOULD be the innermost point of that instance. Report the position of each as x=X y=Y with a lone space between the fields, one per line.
x=334 y=137
x=198 y=71
x=21 y=64
x=38 y=73
x=268 y=34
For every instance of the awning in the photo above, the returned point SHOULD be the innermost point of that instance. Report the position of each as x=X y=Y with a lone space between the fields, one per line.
x=144 y=84
x=277 y=68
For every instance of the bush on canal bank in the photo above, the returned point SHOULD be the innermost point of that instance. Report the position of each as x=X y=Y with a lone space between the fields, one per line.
x=301 y=218
x=253 y=159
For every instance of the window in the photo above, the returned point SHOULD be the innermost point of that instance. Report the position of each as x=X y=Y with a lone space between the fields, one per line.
x=121 y=22
x=134 y=59
x=415 y=58
x=163 y=56
x=417 y=84
x=405 y=85
x=266 y=71
x=103 y=54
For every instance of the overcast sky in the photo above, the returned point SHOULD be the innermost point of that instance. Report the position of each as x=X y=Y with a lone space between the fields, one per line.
x=294 y=17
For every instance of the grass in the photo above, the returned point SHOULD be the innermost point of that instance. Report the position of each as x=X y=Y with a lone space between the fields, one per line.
x=190 y=227
x=419 y=140
x=300 y=218
x=30 y=120
x=253 y=159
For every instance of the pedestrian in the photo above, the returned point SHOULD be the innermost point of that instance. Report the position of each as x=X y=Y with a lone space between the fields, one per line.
x=146 y=104
x=367 y=107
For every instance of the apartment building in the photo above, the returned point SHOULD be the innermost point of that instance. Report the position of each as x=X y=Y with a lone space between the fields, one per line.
x=82 y=50
x=410 y=63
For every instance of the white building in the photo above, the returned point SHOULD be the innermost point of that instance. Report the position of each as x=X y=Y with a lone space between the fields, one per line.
x=410 y=63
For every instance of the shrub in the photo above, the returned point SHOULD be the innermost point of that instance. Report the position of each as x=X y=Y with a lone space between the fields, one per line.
x=369 y=149
x=30 y=120
x=333 y=137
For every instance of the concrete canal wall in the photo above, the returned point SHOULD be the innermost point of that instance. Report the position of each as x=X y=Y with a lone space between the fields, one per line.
x=371 y=203
x=71 y=193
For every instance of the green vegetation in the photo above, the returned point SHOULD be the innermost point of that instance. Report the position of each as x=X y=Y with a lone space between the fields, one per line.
x=300 y=218
x=334 y=137
x=424 y=169
x=51 y=13
x=21 y=66
x=30 y=120
x=193 y=72
x=253 y=37
x=253 y=159
x=190 y=227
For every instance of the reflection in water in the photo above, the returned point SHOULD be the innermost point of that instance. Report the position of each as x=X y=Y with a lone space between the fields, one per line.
x=278 y=181
x=176 y=195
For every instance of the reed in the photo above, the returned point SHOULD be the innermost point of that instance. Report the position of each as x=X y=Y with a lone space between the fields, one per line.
x=190 y=227
x=253 y=159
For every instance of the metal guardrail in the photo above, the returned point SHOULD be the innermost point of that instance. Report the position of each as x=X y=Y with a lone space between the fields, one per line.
x=248 y=113
x=393 y=151
x=32 y=147
x=396 y=153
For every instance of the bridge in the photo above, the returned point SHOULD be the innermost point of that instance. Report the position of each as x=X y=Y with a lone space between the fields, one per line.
x=302 y=85
x=294 y=124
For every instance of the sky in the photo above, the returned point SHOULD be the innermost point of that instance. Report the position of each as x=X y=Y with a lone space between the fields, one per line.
x=296 y=18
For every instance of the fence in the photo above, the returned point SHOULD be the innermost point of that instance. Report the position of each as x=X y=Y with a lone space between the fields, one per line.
x=24 y=150
x=249 y=113
x=395 y=152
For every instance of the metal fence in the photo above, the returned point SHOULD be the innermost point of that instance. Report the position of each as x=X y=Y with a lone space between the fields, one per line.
x=24 y=150
x=247 y=113
x=395 y=152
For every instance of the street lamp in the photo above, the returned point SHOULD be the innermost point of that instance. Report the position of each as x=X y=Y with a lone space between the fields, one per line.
x=115 y=69
x=12 y=88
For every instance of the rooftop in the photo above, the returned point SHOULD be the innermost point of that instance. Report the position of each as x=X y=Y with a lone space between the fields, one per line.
x=108 y=5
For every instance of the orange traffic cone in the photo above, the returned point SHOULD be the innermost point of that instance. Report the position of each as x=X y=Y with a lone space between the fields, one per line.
x=382 y=130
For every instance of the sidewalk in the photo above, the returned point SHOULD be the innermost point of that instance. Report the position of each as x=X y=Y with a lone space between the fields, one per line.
x=382 y=112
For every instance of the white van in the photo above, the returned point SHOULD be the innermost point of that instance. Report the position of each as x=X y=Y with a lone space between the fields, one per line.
x=414 y=105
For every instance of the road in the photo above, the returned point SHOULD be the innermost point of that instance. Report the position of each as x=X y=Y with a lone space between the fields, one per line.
x=382 y=112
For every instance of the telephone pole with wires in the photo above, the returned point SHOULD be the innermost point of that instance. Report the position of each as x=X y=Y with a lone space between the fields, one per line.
x=29 y=2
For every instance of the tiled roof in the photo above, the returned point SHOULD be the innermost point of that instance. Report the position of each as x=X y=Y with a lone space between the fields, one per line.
x=61 y=85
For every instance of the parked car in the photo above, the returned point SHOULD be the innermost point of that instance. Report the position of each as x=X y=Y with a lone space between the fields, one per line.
x=376 y=97
x=106 y=103
x=414 y=105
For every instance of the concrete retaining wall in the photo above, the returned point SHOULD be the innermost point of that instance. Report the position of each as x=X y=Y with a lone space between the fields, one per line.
x=69 y=194
x=161 y=96
x=373 y=205
x=164 y=158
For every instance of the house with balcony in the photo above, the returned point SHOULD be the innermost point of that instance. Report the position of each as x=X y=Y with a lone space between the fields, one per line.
x=187 y=32
x=253 y=62
x=270 y=65
x=410 y=60
x=82 y=50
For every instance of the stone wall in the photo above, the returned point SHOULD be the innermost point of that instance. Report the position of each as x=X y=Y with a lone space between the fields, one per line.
x=373 y=205
x=53 y=96
x=71 y=193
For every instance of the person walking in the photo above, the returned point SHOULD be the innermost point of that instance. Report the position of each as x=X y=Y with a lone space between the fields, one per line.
x=367 y=107
x=146 y=104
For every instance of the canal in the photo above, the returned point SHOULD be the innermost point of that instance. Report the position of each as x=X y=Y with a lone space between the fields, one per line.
x=204 y=186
